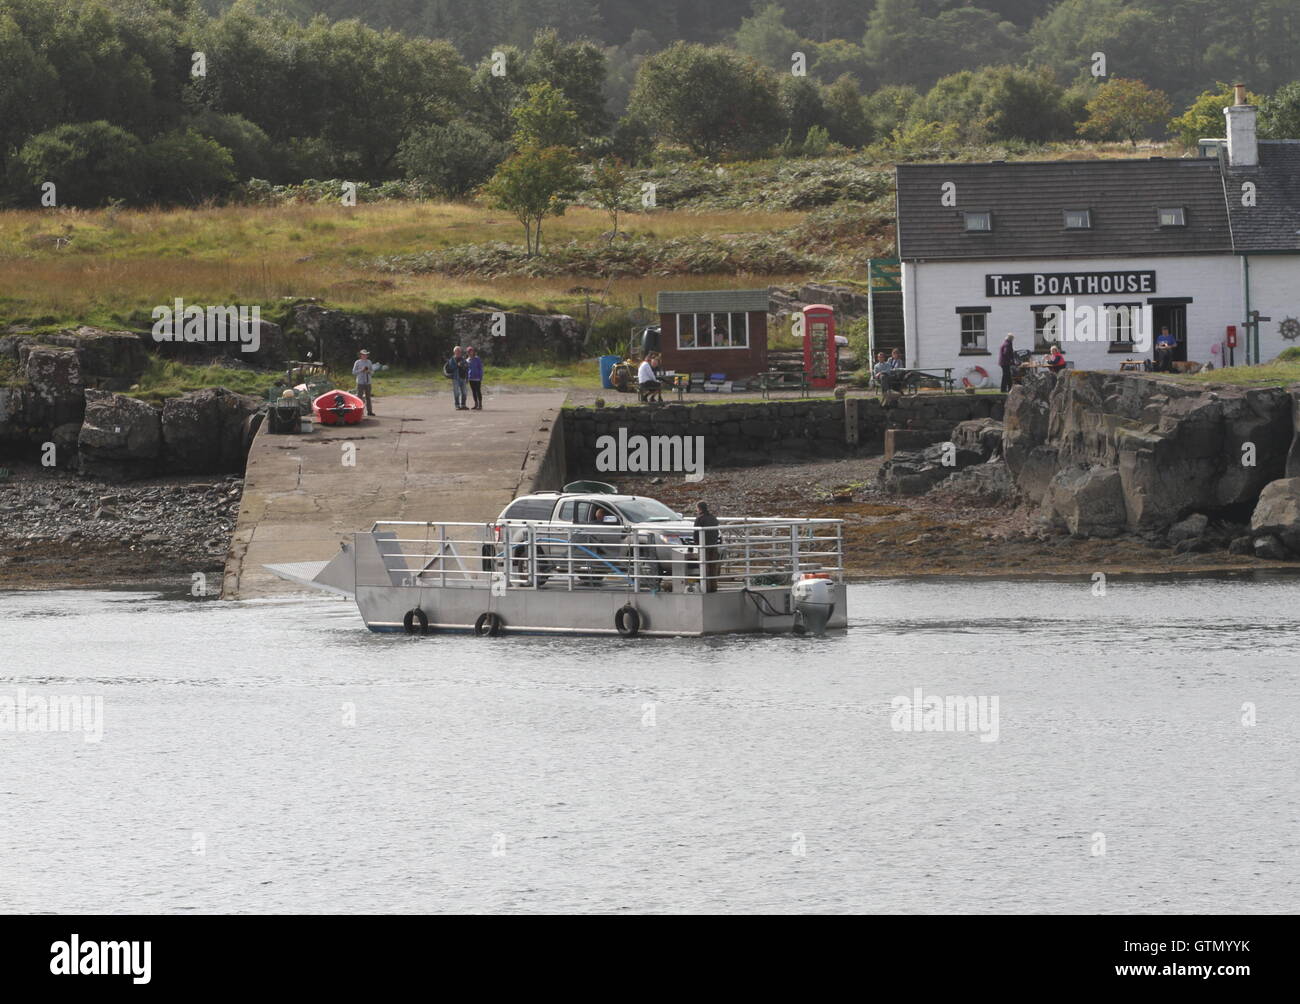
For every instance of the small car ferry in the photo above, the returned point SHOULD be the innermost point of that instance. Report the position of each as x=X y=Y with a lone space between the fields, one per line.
x=590 y=562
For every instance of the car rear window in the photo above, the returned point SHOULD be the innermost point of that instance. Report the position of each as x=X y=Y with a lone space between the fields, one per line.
x=537 y=509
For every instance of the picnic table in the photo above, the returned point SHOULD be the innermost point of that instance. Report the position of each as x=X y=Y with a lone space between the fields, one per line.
x=783 y=380
x=909 y=380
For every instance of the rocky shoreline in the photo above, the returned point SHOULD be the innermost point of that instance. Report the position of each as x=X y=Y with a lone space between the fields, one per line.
x=59 y=530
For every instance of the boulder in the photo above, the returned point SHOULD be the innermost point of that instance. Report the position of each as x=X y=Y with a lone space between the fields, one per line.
x=527 y=336
x=204 y=431
x=1269 y=547
x=1277 y=513
x=916 y=472
x=55 y=390
x=120 y=437
x=108 y=360
x=1191 y=528
x=1242 y=545
x=1087 y=501
x=983 y=435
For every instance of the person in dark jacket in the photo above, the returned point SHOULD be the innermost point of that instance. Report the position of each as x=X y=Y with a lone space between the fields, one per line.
x=707 y=541
x=1055 y=359
x=474 y=373
x=1007 y=360
x=457 y=372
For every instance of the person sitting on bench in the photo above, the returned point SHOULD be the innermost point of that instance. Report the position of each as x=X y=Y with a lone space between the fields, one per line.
x=1055 y=360
x=650 y=387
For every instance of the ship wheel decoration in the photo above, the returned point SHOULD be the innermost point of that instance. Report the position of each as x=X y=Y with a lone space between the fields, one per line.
x=1289 y=329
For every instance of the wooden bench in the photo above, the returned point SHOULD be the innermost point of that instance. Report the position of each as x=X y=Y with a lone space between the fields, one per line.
x=783 y=380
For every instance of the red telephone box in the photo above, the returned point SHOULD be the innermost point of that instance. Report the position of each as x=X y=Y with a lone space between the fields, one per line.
x=819 y=350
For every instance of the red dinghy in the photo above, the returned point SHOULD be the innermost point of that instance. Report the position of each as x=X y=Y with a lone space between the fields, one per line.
x=338 y=407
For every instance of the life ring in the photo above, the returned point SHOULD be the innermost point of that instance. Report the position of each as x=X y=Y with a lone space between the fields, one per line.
x=980 y=374
x=416 y=621
x=488 y=624
x=628 y=621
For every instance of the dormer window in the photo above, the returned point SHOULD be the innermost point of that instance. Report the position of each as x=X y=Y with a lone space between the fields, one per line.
x=978 y=222
x=1078 y=219
x=1173 y=216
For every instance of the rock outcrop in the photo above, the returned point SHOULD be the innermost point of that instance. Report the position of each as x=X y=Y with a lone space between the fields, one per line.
x=119 y=437
x=1176 y=448
x=982 y=435
x=526 y=336
x=916 y=472
x=50 y=375
x=1277 y=514
x=206 y=431
x=337 y=335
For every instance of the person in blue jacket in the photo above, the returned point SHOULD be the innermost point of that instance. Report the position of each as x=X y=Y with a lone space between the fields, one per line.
x=474 y=373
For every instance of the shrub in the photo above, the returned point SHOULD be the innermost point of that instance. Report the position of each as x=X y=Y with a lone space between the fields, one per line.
x=89 y=163
x=454 y=159
x=186 y=167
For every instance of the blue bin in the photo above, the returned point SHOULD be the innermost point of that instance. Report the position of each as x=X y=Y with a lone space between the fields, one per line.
x=607 y=364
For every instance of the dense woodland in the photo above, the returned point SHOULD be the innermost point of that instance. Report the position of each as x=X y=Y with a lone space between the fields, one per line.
x=181 y=101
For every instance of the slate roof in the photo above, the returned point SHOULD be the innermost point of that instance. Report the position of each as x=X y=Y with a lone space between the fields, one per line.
x=1273 y=223
x=1028 y=199
x=721 y=301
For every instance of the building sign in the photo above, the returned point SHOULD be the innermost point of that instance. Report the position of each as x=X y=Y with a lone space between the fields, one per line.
x=1068 y=283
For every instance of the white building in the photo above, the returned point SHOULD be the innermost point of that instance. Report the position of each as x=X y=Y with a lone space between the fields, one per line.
x=988 y=249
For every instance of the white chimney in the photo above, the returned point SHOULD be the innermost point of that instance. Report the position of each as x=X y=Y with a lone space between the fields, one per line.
x=1243 y=148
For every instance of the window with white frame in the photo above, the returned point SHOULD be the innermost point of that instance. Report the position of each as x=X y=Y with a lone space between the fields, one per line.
x=1172 y=216
x=713 y=331
x=1044 y=336
x=1120 y=318
x=974 y=330
x=1078 y=219
x=979 y=222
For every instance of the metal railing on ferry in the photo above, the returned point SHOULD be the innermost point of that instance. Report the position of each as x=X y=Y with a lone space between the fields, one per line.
x=739 y=553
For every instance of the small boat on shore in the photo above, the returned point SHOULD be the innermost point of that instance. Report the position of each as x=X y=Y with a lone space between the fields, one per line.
x=338 y=407
x=589 y=563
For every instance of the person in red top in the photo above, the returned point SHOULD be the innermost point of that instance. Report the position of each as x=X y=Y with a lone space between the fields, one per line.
x=1056 y=359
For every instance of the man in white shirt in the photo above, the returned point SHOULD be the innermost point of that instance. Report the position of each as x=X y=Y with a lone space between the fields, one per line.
x=361 y=370
x=648 y=379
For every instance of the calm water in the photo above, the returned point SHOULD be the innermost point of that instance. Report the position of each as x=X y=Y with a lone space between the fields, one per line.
x=606 y=775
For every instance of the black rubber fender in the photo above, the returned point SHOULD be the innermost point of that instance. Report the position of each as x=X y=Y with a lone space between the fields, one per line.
x=416 y=621
x=489 y=624
x=628 y=621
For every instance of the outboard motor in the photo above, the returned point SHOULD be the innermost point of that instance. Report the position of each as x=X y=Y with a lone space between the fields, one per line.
x=813 y=595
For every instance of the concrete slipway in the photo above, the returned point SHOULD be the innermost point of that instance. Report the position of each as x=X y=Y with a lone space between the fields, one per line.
x=419 y=459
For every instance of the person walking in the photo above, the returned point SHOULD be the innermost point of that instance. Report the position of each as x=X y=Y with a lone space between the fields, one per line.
x=1007 y=360
x=474 y=373
x=456 y=371
x=361 y=372
x=707 y=541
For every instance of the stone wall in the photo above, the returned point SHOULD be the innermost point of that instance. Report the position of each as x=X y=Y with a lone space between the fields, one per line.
x=743 y=434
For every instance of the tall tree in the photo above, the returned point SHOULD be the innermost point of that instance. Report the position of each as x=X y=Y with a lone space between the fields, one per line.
x=712 y=100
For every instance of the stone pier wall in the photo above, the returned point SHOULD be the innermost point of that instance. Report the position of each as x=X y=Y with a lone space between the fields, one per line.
x=758 y=432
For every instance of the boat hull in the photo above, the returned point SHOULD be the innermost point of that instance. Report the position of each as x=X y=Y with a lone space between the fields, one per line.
x=556 y=610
